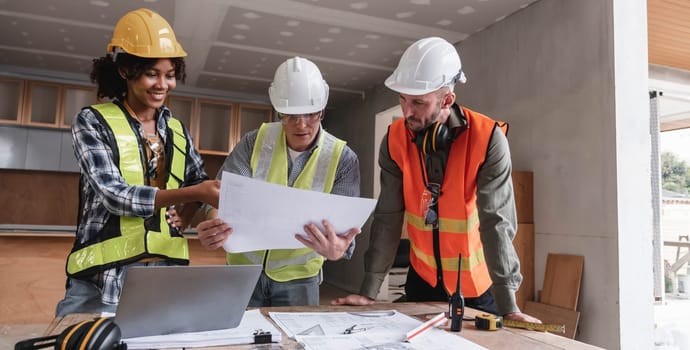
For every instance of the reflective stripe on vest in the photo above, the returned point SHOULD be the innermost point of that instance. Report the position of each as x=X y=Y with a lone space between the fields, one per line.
x=269 y=163
x=458 y=216
x=134 y=240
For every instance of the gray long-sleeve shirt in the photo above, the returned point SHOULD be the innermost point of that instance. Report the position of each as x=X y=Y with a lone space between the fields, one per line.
x=497 y=220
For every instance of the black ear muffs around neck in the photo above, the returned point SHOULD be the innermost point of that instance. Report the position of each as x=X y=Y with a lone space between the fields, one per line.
x=434 y=138
x=99 y=334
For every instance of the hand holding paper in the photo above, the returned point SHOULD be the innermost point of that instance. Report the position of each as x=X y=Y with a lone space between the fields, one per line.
x=213 y=233
x=330 y=245
x=267 y=216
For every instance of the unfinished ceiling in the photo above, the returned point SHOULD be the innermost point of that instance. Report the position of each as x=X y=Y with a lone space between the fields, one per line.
x=235 y=46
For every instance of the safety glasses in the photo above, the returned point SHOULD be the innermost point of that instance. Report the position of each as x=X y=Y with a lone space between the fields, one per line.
x=296 y=118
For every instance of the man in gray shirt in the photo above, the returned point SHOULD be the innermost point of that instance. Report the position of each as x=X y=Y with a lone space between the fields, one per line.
x=295 y=152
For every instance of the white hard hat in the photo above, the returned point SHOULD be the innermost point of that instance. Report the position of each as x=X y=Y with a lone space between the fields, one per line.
x=298 y=87
x=427 y=65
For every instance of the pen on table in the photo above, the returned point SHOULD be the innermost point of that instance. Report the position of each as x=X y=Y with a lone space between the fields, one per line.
x=349 y=329
x=434 y=322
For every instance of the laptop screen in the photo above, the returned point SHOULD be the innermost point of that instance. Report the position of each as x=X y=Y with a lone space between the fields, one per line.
x=159 y=300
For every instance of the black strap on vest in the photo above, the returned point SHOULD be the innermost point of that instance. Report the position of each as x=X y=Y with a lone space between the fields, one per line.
x=433 y=168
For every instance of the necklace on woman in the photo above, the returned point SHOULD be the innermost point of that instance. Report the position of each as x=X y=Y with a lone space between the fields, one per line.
x=148 y=126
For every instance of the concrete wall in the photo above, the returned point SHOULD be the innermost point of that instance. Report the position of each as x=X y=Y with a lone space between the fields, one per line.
x=574 y=91
x=355 y=123
x=570 y=77
x=633 y=175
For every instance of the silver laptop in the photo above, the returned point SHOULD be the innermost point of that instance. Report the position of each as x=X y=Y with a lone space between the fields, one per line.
x=159 y=300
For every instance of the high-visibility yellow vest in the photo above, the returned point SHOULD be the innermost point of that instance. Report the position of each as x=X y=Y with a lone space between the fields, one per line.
x=127 y=239
x=457 y=206
x=269 y=163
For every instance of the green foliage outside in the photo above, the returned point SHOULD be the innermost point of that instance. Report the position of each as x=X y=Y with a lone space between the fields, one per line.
x=675 y=174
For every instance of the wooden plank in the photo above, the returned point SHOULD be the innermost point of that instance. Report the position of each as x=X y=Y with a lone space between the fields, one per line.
x=680 y=244
x=33 y=274
x=39 y=197
x=562 y=280
x=524 y=195
x=556 y=315
x=524 y=246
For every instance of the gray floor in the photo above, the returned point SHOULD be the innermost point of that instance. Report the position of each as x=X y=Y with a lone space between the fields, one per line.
x=672 y=322
x=9 y=335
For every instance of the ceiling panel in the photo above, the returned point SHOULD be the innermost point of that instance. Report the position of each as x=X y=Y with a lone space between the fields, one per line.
x=458 y=16
x=59 y=38
x=265 y=30
x=56 y=63
x=88 y=11
x=227 y=60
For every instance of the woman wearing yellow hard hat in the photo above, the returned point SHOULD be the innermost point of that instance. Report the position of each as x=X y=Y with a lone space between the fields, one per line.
x=136 y=162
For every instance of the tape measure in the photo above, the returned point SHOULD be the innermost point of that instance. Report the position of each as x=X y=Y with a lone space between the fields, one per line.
x=489 y=322
x=556 y=328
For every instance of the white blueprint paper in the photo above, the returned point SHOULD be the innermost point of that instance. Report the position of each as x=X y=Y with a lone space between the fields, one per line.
x=252 y=322
x=374 y=330
x=264 y=215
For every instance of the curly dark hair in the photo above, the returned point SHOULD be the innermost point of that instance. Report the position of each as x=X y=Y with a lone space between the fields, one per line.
x=110 y=84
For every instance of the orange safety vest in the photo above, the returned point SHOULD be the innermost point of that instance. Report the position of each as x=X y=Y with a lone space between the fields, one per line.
x=457 y=205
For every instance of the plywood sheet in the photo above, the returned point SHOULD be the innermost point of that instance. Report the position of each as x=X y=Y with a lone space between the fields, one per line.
x=32 y=270
x=562 y=280
x=555 y=315
x=524 y=246
x=524 y=195
x=39 y=197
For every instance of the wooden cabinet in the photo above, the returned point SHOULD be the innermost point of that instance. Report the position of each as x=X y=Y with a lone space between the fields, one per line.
x=11 y=100
x=183 y=108
x=214 y=131
x=251 y=117
x=74 y=98
x=43 y=104
x=216 y=125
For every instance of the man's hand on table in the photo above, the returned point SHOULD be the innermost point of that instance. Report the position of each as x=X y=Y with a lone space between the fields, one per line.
x=519 y=316
x=353 y=299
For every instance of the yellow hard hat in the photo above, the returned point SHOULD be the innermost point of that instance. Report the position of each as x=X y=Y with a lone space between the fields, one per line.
x=145 y=33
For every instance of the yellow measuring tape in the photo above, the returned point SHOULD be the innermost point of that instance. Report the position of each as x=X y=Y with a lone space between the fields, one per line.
x=491 y=322
x=557 y=328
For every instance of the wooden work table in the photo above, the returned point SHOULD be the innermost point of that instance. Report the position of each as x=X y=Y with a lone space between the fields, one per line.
x=507 y=338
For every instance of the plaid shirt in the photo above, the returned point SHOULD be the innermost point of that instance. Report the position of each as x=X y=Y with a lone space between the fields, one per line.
x=104 y=192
